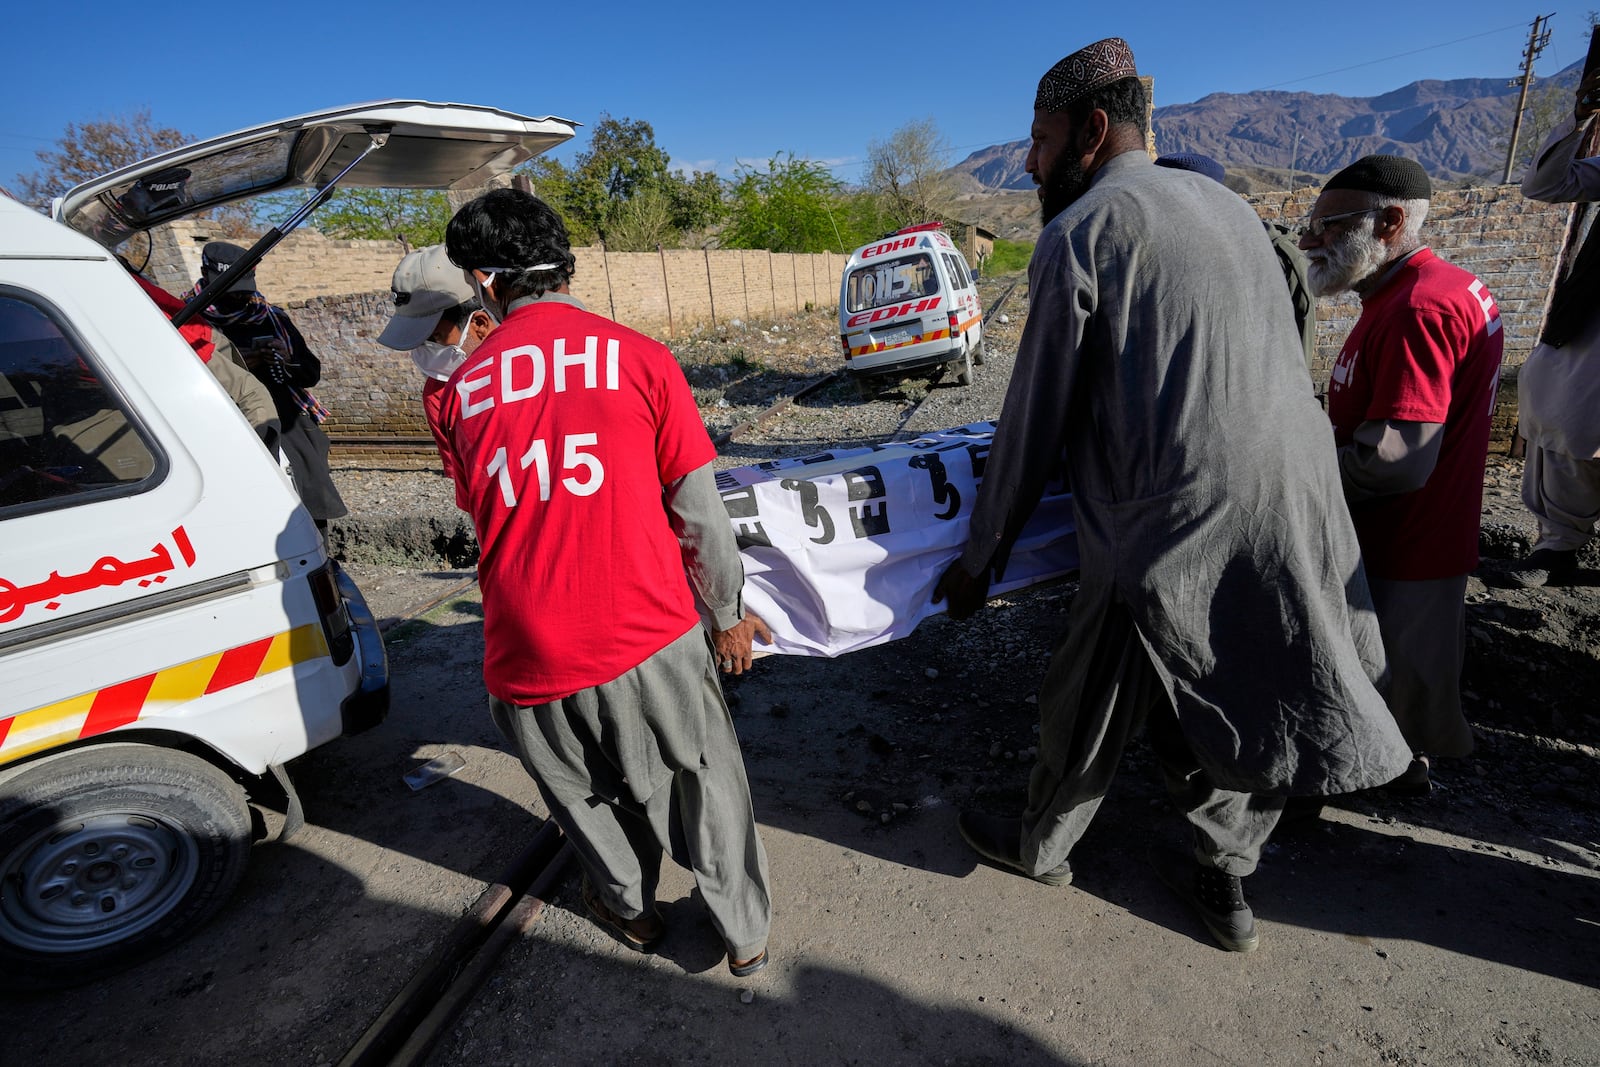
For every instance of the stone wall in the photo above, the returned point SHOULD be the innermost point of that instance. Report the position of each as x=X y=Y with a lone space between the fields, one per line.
x=1508 y=241
x=305 y=265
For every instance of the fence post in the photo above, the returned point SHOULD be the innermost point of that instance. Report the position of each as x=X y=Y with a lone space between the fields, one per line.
x=772 y=284
x=666 y=289
x=711 y=288
x=744 y=283
x=605 y=268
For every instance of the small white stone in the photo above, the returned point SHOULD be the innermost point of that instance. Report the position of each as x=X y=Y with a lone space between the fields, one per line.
x=1004 y=318
x=747 y=996
x=931 y=672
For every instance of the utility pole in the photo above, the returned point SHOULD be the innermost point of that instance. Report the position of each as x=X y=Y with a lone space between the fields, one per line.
x=1294 y=156
x=1538 y=38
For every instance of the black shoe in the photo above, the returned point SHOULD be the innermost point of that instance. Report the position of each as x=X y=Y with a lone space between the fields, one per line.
x=1542 y=567
x=1417 y=781
x=1300 y=811
x=999 y=840
x=1218 y=897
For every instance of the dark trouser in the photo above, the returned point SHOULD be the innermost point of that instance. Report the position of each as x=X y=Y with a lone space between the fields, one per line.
x=1099 y=691
x=1423 y=624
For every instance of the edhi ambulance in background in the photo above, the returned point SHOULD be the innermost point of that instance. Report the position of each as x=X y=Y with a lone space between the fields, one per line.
x=909 y=303
x=171 y=631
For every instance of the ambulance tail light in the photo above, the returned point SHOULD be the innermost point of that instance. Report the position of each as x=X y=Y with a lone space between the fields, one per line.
x=844 y=341
x=955 y=323
x=331 y=611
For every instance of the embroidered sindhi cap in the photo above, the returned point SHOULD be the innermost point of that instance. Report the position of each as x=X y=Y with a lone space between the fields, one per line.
x=1092 y=67
x=1396 y=176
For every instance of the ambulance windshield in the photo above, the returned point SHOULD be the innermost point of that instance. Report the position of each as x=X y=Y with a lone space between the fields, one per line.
x=876 y=284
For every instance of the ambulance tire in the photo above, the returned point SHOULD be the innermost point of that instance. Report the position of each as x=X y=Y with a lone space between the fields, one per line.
x=964 y=367
x=980 y=352
x=110 y=855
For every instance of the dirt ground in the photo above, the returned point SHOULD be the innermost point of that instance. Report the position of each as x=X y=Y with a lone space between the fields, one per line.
x=1458 y=929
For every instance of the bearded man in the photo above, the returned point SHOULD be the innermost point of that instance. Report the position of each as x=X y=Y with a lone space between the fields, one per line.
x=1221 y=600
x=1410 y=400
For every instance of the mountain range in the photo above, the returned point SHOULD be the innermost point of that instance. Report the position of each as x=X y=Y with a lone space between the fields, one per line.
x=1457 y=129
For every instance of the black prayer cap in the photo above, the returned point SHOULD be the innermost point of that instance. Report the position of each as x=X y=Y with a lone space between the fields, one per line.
x=1396 y=176
x=1194 y=161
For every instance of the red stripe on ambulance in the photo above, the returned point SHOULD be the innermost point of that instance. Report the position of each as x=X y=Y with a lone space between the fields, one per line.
x=116 y=705
x=239 y=665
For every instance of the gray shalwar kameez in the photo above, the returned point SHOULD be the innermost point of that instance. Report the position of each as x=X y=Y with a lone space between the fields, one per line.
x=649 y=761
x=1222 y=597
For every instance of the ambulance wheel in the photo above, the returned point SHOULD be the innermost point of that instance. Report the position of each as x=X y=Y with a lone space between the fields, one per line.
x=109 y=855
x=964 y=367
x=980 y=352
x=866 y=388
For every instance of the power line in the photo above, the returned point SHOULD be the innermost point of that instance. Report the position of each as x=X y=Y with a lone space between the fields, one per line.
x=1397 y=55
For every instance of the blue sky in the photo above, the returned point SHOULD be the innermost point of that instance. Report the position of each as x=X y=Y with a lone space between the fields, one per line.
x=721 y=83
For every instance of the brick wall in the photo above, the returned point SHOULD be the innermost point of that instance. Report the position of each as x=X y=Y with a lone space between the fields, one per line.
x=372 y=390
x=659 y=293
x=1508 y=241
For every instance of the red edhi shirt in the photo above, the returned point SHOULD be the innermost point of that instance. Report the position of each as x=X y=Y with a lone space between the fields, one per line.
x=563 y=427
x=1426 y=348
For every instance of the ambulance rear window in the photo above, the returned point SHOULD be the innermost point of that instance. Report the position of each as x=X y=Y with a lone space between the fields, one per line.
x=876 y=284
x=64 y=434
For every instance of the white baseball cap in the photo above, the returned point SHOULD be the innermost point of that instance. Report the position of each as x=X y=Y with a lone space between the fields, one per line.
x=426 y=285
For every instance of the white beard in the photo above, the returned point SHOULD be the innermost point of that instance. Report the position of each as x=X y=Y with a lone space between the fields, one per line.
x=1341 y=266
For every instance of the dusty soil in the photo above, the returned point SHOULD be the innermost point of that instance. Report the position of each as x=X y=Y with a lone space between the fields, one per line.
x=1459 y=929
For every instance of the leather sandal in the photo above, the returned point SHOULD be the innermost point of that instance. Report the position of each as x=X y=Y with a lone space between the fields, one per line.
x=745 y=968
x=641 y=934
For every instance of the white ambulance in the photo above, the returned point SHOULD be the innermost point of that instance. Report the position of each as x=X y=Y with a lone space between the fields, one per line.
x=909 y=303
x=171 y=632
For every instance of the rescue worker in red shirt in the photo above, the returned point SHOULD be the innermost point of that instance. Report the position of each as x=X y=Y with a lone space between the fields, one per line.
x=581 y=457
x=1410 y=399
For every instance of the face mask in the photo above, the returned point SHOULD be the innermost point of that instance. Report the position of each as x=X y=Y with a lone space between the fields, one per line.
x=481 y=291
x=437 y=360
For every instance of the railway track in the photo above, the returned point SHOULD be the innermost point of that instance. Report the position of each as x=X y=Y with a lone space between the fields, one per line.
x=423 y=445
x=408 y=1028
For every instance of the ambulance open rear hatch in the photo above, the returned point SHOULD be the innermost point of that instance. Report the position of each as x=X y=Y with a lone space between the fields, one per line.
x=171 y=630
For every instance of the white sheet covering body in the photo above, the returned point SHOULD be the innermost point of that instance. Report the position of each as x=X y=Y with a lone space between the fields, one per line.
x=841 y=549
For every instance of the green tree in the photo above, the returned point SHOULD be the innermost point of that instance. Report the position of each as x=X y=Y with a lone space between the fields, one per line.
x=699 y=201
x=786 y=207
x=414 y=217
x=554 y=183
x=622 y=164
x=909 y=174
x=641 y=222
x=621 y=161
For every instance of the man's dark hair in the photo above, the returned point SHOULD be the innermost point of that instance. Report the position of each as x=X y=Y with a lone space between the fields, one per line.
x=458 y=315
x=1123 y=101
x=507 y=231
